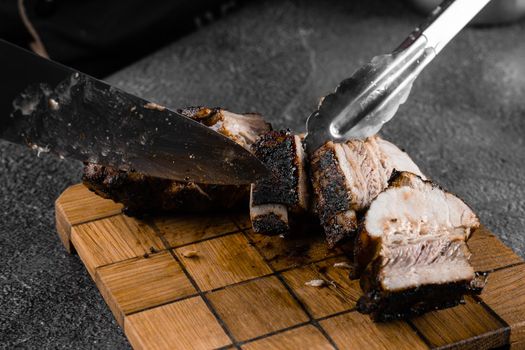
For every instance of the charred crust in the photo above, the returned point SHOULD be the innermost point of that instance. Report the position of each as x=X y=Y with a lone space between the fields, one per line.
x=277 y=150
x=335 y=235
x=339 y=229
x=394 y=177
x=332 y=199
x=204 y=115
x=328 y=183
x=387 y=306
x=405 y=178
x=270 y=224
x=143 y=195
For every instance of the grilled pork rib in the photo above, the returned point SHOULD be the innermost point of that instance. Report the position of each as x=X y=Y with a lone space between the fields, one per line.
x=347 y=176
x=274 y=199
x=412 y=250
x=142 y=194
x=410 y=253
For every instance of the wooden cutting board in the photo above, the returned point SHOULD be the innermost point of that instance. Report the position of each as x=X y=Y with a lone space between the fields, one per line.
x=207 y=282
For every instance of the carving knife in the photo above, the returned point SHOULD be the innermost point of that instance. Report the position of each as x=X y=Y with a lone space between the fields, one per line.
x=363 y=103
x=53 y=108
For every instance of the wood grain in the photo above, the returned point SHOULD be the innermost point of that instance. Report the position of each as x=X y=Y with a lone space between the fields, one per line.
x=256 y=308
x=137 y=284
x=286 y=253
x=505 y=294
x=80 y=205
x=306 y=337
x=63 y=228
x=180 y=230
x=450 y=327
x=222 y=261
x=339 y=293
x=355 y=331
x=113 y=239
x=185 y=324
x=488 y=252
x=77 y=205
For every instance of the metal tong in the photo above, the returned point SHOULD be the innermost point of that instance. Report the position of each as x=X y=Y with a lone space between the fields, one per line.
x=363 y=103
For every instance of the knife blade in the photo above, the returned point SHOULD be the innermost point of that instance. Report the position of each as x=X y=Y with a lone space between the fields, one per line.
x=53 y=108
x=363 y=103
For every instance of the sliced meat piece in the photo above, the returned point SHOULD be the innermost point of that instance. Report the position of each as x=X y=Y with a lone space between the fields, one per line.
x=412 y=250
x=284 y=194
x=244 y=129
x=347 y=176
x=142 y=194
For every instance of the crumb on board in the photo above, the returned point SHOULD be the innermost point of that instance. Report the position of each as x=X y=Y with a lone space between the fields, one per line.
x=152 y=105
x=189 y=253
x=315 y=283
x=343 y=265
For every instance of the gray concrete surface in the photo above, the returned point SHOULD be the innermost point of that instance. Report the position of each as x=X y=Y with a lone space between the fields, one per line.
x=464 y=125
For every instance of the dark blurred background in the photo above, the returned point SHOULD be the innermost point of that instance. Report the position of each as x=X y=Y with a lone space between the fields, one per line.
x=99 y=36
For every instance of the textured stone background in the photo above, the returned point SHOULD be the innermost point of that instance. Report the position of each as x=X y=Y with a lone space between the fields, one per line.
x=464 y=124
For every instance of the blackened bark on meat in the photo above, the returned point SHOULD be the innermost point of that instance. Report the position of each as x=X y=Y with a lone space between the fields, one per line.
x=388 y=306
x=337 y=228
x=270 y=224
x=276 y=150
x=204 y=115
x=329 y=184
x=143 y=195
x=332 y=197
